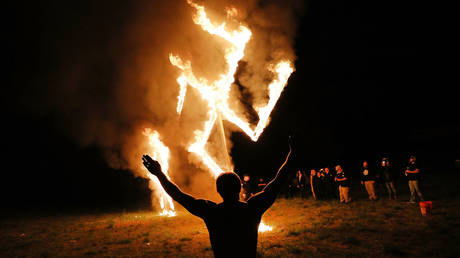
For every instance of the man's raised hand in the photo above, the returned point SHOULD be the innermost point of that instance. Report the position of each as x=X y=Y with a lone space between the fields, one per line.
x=152 y=165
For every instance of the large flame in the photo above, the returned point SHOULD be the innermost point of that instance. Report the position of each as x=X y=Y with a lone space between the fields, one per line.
x=216 y=94
x=160 y=153
x=264 y=228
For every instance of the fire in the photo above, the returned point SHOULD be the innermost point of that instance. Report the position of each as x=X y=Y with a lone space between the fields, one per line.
x=160 y=153
x=264 y=228
x=217 y=94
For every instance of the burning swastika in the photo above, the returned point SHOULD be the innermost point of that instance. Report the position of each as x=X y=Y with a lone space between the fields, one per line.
x=217 y=95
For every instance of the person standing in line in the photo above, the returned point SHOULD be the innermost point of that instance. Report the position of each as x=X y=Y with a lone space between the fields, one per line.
x=293 y=187
x=368 y=180
x=319 y=187
x=388 y=178
x=300 y=175
x=413 y=176
x=246 y=192
x=344 y=184
x=329 y=184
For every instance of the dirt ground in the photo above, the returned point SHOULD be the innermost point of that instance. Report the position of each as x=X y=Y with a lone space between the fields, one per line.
x=301 y=228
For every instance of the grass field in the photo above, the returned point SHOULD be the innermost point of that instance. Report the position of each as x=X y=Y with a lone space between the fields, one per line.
x=302 y=228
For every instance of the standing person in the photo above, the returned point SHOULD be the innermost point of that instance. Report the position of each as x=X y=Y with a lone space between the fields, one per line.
x=329 y=184
x=344 y=184
x=232 y=224
x=293 y=187
x=261 y=185
x=319 y=188
x=413 y=176
x=301 y=183
x=368 y=180
x=247 y=191
x=313 y=183
x=388 y=178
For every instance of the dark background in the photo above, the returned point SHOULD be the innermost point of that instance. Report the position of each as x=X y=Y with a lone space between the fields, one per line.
x=371 y=79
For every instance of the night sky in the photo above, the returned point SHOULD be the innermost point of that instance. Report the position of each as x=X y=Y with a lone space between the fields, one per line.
x=370 y=80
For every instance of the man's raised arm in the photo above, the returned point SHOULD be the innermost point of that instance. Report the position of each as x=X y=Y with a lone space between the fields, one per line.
x=265 y=198
x=194 y=206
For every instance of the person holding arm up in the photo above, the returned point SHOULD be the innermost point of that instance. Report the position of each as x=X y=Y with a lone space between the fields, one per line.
x=232 y=224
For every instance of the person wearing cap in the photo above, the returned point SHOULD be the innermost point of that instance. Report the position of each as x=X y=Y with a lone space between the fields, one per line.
x=413 y=176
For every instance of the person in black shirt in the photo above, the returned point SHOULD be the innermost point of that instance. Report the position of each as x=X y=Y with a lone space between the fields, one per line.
x=413 y=175
x=293 y=187
x=246 y=191
x=232 y=224
x=329 y=184
x=368 y=180
x=319 y=188
x=388 y=178
x=344 y=184
x=302 y=182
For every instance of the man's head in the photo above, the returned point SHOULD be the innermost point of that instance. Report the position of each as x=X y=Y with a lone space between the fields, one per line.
x=229 y=186
x=412 y=159
x=385 y=162
x=365 y=164
x=338 y=168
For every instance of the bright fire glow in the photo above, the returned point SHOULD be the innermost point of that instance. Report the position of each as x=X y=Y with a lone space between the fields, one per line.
x=264 y=228
x=217 y=94
x=160 y=153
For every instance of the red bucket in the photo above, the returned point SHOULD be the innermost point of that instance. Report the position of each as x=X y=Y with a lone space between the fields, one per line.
x=425 y=208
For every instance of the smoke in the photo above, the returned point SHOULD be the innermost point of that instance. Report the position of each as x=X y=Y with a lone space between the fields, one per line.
x=112 y=77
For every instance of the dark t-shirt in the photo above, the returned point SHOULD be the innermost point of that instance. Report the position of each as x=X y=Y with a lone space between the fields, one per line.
x=387 y=175
x=344 y=183
x=367 y=175
x=232 y=226
x=412 y=176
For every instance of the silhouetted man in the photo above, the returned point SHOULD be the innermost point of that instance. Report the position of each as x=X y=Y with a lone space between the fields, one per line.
x=368 y=180
x=344 y=184
x=232 y=224
x=388 y=178
x=413 y=175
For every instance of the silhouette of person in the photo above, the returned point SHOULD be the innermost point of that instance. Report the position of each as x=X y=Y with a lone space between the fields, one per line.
x=232 y=224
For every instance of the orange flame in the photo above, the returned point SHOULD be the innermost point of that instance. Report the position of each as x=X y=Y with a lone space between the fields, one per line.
x=160 y=153
x=216 y=93
x=264 y=228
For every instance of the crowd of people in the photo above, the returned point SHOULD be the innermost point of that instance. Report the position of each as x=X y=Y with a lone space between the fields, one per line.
x=335 y=184
x=233 y=224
